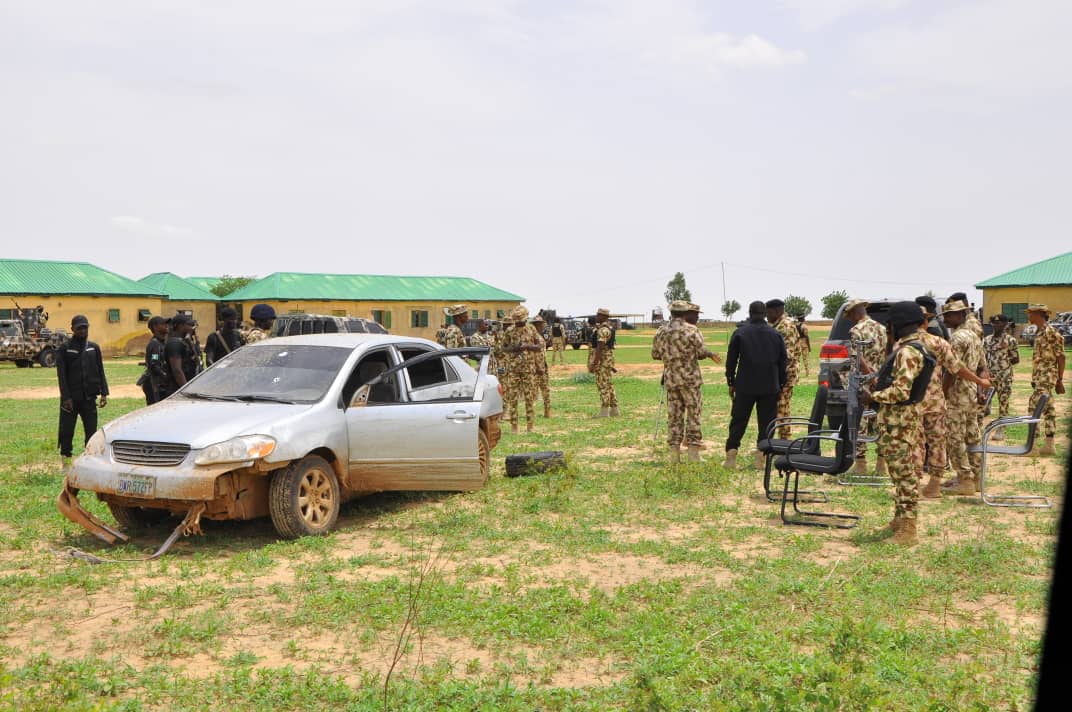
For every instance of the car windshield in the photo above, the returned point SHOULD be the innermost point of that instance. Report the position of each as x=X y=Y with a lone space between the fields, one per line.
x=9 y=330
x=271 y=373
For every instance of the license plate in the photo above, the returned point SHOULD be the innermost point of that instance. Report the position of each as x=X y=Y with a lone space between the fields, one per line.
x=137 y=486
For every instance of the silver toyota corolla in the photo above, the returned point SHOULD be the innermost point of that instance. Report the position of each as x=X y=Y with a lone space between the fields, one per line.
x=289 y=428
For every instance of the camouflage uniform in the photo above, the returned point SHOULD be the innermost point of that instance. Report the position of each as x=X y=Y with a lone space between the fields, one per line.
x=453 y=338
x=784 y=326
x=255 y=334
x=520 y=378
x=974 y=324
x=802 y=346
x=874 y=353
x=900 y=428
x=604 y=370
x=542 y=383
x=963 y=404
x=1049 y=345
x=487 y=339
x=1000 y=353
x=680 y=346
x=935 y=410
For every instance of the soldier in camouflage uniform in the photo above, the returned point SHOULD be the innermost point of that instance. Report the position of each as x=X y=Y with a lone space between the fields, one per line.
x=1002 y=354
x=483 y=337
x=263 y=317
x=963 y=401
x=803 y=345
x=453 y=338
x=784 y=325
x=602 y=364
x=680 y=346
x=873 y=354
x=1047 y=370
x=539 y=359
x=519 y=342
x=900 y=422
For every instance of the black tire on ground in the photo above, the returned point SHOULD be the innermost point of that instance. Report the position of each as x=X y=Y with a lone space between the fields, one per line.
x=483 y=452
x=303 y=498
x=23 y=363
x=531 y=463
x=47 y=358
x=137 y=517
x=575 y=346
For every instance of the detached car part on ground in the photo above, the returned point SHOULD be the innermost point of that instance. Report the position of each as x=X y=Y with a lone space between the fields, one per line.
x=290 y=428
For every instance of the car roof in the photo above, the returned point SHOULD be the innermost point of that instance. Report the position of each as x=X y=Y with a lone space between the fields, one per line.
x=346 y=340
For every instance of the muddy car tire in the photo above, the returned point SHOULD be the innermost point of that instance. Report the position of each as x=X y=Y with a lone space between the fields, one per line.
x=303 y=498
x=137 y=517
x=483 y=453
x=47 y=358
x=23 y=363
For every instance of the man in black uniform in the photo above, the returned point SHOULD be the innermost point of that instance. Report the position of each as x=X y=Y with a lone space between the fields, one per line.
x=756 y=371
x=225 y=339
x=156 y=381
x=178 y=354
x=80 y=370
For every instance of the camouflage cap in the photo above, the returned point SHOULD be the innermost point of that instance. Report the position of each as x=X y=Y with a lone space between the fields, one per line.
x=602 y=311
x=680 y=305
x=1038 y=308
x=998 y=317
x=695 y=307
x=520 y=314
x=456 y=309
x=954 y=306
x=853 y=303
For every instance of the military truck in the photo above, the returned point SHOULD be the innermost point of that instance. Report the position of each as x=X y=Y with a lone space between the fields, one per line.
x=26 y=340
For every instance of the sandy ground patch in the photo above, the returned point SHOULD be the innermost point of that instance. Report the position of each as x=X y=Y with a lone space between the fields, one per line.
x=125 y=390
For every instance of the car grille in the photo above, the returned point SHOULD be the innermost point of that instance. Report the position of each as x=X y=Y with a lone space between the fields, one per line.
x=141 y=452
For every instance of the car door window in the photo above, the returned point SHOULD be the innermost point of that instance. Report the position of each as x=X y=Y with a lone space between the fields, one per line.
x=438 y=379
x=370 y=366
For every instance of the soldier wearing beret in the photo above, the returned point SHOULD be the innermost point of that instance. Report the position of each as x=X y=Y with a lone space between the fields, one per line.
x=783 y=325
x=602 y=363
x=263 y=317
x=1047 y=370
x=680 y=346
x=453 y=338
x=1002 y=353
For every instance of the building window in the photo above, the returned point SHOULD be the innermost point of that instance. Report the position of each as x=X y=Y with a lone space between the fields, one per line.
x=448 y=320
x=499 y=313
x=418 y=318
x=7 y=313
x=382 y=317
x=487 y=313
x=144 y=315
x=475 y=314
x=1016 y=312
x=338 y=312
x=113 y=316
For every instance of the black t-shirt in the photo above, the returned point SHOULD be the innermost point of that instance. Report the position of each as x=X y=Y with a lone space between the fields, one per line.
x=215 y=348
x=176 y=346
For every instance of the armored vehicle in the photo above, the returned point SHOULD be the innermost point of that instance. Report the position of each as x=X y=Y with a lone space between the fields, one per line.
x=26 y=340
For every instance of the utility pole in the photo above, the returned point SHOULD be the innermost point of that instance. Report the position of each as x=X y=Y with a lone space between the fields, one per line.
x=723 y=282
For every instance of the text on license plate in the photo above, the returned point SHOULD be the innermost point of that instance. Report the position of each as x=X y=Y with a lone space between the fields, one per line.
x=137 y=486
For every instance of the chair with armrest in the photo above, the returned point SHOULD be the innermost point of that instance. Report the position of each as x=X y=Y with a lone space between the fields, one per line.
x=771 y=446
x=796 y=462
x=986 y=448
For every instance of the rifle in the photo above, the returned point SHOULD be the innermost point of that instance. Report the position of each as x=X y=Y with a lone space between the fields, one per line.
x=856 y=381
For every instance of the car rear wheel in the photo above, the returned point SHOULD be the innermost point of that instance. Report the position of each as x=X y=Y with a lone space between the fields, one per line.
x=23 y=363
x=47 y=358
x=483 y=451
x=575 y=346
x=303 y=498
x=137 y=517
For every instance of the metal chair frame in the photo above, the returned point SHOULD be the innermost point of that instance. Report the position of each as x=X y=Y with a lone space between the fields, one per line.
x=1032 y=501
x=871 y=479
x=838 y=464
x=815 y=423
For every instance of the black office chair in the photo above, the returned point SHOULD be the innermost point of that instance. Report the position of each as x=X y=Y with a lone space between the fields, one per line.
x=771 y=446
x=796 y=462
x=985 y=448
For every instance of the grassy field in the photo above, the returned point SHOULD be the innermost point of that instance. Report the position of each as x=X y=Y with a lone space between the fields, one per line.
x=617 y=583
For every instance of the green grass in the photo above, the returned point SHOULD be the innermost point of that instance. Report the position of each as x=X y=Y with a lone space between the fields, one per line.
x=615 y=583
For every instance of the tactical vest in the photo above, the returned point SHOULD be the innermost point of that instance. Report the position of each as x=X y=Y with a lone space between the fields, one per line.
x=556 y=330
x=593 y=339
x=919 y=386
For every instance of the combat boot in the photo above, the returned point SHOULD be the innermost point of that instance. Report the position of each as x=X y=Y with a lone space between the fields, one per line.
x=895 y=524
x=547 y=410
x=731 y=460
x=906 y=533
x=694 y=453
x=933 y=488
x=675 y=454
x=603 y=413
x=761 y=460
x=614 y=412
x=530 y=426
x=860 y=466
x=1047 y=446
x=880 y=466
x=513 y=427
x=963 y=488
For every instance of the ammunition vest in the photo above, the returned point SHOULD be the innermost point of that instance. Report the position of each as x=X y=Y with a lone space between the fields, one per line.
x=593 y=339
x=919 y=386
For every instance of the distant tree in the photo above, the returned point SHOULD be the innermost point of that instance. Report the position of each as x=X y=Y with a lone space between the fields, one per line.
x=832 y=302
x=797 y=306
x=228 y=284
x=676 y=289
x=730 y=308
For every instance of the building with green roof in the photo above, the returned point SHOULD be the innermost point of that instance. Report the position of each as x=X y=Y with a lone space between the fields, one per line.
x=183 y=296
x=404 y=305
x=1047 y=282
x=117 y=307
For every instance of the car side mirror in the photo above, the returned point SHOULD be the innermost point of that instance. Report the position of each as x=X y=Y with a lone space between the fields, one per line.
x=361 y=397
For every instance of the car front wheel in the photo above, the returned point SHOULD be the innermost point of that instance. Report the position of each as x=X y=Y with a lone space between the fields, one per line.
x=303 y=498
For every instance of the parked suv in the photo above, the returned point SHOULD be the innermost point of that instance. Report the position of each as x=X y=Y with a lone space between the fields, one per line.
x=834 y=354
x=299 y=324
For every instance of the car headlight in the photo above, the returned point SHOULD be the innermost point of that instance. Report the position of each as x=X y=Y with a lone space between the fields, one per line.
x=247 y=447
x=96 y=445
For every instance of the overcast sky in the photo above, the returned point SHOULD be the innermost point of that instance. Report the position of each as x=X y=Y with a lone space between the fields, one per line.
x=577 y=153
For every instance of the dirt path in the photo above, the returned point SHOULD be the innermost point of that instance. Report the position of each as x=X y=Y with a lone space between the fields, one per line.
x=126 y=390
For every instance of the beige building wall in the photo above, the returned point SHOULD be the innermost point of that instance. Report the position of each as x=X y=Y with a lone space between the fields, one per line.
x=402 y=318
x=1058 y=299
x=113 y=321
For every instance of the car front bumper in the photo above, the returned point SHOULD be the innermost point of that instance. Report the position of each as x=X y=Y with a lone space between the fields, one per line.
x=184 y=482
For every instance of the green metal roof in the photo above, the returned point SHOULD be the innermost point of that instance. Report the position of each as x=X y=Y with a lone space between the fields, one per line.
x=178 y=289
x=206 y=283
x=369 y=287
x=47 y=277
x=1056 y=271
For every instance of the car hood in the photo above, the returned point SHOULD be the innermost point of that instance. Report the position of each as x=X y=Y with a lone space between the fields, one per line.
x=200 y=423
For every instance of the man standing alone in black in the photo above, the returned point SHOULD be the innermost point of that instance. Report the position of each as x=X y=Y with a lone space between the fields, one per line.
x=225 y=339
x=80 y=370
x=756 y=364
